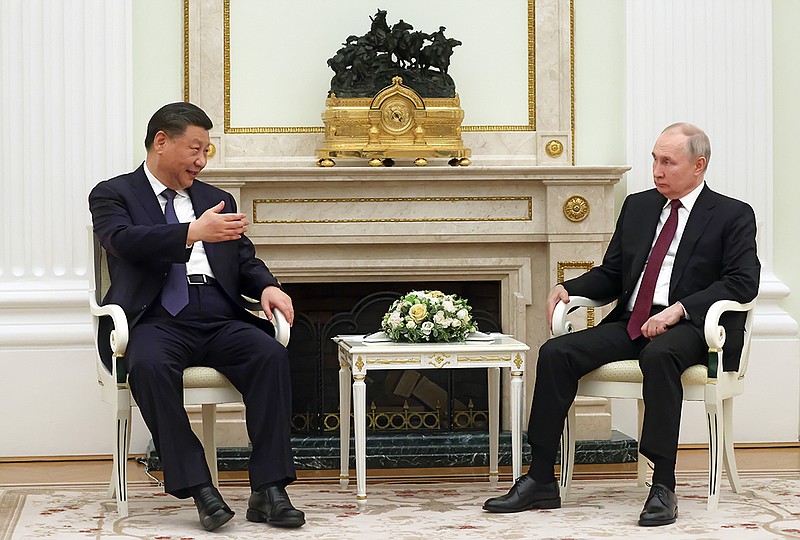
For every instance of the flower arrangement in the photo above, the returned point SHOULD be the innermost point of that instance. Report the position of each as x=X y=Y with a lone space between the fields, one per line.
x=428 y=316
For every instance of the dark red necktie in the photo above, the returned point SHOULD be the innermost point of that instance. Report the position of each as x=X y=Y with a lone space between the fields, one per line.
x=644 y=299
x=175 y=294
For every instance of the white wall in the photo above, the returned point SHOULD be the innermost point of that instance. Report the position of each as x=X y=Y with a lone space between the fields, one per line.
x=786 y=119
x=65 y=124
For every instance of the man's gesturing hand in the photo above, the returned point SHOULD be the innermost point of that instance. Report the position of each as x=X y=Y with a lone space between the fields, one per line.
x=213 y=226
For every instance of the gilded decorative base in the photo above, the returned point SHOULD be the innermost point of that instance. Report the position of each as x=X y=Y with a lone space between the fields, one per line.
x=396 y=123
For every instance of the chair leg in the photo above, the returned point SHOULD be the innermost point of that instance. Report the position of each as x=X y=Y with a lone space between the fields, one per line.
x=209 y=413
x=122 y=431
x=567 y=453
x=715 y=419
x=729 y=457
x=641 y=461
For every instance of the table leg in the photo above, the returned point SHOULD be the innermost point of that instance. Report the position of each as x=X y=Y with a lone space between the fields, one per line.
x=516 y=423
x=494 y=423
x=360 y=420
x=344 y=424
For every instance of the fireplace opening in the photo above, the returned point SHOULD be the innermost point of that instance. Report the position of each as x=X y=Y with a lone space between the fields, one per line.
x=399 y=400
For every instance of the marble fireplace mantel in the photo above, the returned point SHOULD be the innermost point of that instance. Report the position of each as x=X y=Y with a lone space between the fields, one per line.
x=524 y=226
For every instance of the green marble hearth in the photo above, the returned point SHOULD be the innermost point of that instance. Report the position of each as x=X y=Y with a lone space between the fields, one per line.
x=419 y=450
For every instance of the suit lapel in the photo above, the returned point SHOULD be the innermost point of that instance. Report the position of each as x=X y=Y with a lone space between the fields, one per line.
x=645 y=222
x=144 y=193
x=698 y=220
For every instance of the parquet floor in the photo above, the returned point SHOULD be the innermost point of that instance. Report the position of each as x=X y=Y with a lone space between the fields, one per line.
x=752 y=459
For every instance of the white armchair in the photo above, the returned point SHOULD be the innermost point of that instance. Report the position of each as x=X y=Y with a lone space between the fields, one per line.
x=711 y=385
x=202 y=385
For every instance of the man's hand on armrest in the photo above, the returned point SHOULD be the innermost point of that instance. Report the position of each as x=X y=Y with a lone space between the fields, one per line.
x=556 y=294
x=274 y=298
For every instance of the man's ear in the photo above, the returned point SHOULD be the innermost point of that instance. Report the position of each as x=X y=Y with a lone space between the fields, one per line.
x=700 y=164
x=160 y=140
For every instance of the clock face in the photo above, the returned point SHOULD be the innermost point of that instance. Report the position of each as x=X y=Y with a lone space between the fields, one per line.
x=397 y=115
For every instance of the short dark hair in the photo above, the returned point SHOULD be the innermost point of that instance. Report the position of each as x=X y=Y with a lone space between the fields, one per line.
x=174 y=118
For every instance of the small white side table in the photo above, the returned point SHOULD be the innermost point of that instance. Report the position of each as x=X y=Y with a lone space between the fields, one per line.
x=357 y=357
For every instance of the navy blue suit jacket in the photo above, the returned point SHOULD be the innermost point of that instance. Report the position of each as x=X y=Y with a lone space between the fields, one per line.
x=140 y=246
x=716 y=260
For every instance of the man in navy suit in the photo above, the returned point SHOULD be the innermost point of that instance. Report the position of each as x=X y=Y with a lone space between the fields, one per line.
x=179 y=263
x=709 y=254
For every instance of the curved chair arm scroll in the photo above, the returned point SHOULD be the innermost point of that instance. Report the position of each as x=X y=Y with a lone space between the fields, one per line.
x=560 y=323
x=119 y=335
x=715 y=335
x=279 y=322
x=282 y=328
x=118 y=338
x=715 y=332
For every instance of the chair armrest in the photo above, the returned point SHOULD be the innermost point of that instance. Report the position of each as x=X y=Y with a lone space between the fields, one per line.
x=118 y=338
x=282 y=328
x=715 y=332
x=715 y=335
x=119 y=335
x=279 y=322
x=560 y=323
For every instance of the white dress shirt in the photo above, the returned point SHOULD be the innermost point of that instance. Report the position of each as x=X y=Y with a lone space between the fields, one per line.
x=661 y=294
x=198 y=262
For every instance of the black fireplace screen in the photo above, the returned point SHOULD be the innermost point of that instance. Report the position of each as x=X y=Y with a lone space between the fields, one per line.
x=402 y=400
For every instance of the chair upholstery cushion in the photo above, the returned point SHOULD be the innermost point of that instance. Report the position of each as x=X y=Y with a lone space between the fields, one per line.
x=204 y=377
x=628 y=371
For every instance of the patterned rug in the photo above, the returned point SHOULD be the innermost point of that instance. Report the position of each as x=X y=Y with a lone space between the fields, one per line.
x=769 y=507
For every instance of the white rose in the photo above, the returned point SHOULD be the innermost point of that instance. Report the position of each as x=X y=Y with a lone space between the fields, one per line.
x=439 y=317
x=395 y=319
x=448 y=305
x=462 y=314
x=456 y=323
x=411 y=325
x=427 y=327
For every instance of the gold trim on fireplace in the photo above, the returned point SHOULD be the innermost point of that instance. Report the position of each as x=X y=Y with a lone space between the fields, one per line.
x=576 y=265
x=527 y=217
x=397 y=420
x=531 y=126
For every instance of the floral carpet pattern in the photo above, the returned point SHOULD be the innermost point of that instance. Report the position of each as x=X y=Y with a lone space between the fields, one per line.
x=768 y=507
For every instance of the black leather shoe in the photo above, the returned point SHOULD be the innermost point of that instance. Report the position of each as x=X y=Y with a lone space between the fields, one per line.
x=525 y=494
x=660 y=508
x=212 y=509
x=274 y=507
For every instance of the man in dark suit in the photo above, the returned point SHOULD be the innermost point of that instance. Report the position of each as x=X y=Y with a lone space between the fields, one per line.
x=179 y=264
x=676 y=250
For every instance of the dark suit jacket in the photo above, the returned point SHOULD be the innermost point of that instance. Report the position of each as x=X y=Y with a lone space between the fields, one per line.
x=716 y=260
x=141 y=246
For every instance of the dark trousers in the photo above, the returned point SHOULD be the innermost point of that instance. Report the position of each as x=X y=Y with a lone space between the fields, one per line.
x=565 y=359
x=207 y=332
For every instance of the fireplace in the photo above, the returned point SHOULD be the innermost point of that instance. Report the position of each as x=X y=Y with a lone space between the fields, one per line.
x=447 y=400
